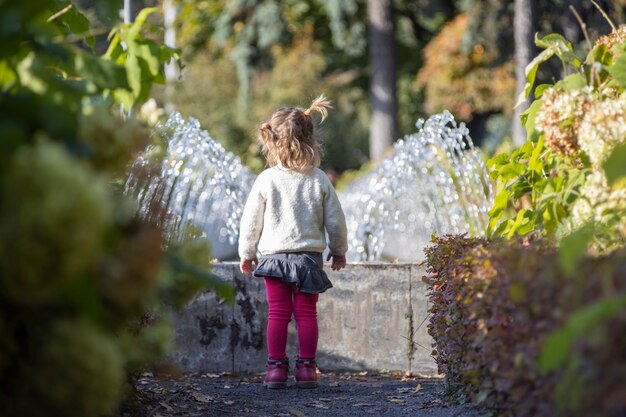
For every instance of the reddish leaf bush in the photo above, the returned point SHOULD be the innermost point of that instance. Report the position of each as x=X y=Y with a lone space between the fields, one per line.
x=493 y=306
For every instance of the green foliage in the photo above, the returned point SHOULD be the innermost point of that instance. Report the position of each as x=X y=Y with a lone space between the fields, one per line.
x=553 y=45
x=542 y=185
x=90 y=384
x=614 y=165
x=567 y=174
x=37 y=225
x=517 y=336
x=558 y=345
x=78 y=269
x=142 y=59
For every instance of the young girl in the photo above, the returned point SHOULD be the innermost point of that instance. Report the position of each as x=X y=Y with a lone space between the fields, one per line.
x=290 y=208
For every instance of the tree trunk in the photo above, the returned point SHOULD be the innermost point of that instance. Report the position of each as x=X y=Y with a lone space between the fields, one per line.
x=524 y=29
x=384 y=125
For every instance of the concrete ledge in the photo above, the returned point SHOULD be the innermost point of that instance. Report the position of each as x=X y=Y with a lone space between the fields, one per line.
x=374 y=318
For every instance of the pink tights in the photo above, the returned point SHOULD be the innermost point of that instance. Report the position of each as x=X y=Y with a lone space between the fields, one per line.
x=285 y=300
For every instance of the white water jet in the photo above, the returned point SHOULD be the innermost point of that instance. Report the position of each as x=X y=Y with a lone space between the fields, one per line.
x=433 y=182
x=201 y=187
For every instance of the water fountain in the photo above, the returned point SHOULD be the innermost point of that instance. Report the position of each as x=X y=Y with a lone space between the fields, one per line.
x=201 y=186
x=433 y=182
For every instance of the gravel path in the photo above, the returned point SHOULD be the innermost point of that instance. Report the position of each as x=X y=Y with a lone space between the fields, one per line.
x=347 y=394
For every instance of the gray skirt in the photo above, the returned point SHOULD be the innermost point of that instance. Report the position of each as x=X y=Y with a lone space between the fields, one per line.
x=301 y=268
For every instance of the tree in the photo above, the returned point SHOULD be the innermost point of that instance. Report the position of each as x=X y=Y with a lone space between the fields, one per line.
x=382 y=58
x=255 y=35
x=524 y=27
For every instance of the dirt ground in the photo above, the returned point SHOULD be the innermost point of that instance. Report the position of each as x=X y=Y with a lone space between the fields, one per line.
x=339 y=394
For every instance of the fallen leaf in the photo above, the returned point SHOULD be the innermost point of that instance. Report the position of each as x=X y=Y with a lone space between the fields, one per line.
x=326 y=400
x=363 y=373
x=395 y=400
x=297 y=413
x=317 y=405
x=202 y=398
x=418 y=388
x=363 y=405
x=430 y=404
x=229 y=402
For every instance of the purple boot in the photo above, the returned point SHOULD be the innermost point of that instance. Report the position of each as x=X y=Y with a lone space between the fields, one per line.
x=277 y=373
x=306 y=373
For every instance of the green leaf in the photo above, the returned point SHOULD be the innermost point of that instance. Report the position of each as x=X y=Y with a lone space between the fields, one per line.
x=560 y=46
x=133 y=72
x=541 y=88
x=502 y=228
x=600 y=53
x=7 y=76
x=522 y=219
x=549 y=220
x=149 y=52
x=498 y=160
x=499 y=204
x=573 y=82
x=573 y=247
x=529 y=121
x=558 y=345
x=115 y=49
x=618 y=70
x=535 y=163
x=531 y=74
x=78 y=24
x=615 y=164
x=512 y=170
x=137 y=25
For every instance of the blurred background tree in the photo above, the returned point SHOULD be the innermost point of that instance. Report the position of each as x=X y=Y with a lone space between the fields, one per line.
x=245 y=58
x=268 y=54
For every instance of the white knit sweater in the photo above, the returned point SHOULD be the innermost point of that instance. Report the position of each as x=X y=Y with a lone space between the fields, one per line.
x=288 y=211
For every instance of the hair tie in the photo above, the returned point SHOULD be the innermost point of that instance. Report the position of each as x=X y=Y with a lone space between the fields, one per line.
x=307 y=112
x=265 y=126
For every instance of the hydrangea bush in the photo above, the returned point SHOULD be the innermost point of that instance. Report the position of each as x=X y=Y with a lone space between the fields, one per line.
x=557 y=185
x=531 y=321
x=507 y=322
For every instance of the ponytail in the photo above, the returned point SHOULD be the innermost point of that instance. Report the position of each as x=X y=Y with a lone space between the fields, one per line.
x=320 y=105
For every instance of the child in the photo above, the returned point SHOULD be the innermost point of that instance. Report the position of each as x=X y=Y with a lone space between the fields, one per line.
x=290 y=207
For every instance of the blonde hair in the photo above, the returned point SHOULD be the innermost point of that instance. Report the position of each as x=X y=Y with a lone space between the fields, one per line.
x=287 y=138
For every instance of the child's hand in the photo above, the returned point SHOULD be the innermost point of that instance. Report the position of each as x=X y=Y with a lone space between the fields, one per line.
x=246 y=266
x=338 y=261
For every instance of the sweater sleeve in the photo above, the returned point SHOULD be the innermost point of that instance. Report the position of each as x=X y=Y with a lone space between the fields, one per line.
x=335 y=222
x=251 y=222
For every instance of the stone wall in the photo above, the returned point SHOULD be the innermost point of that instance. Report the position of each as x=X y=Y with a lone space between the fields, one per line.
x=374 y=318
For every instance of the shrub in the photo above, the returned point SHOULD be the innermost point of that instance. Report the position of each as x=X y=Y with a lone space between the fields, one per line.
x=78 y=269
x=496 y=304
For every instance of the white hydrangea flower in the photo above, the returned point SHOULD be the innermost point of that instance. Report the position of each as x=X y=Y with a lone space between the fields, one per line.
x=602 y=127
x=560 y=116
x=596 y=201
